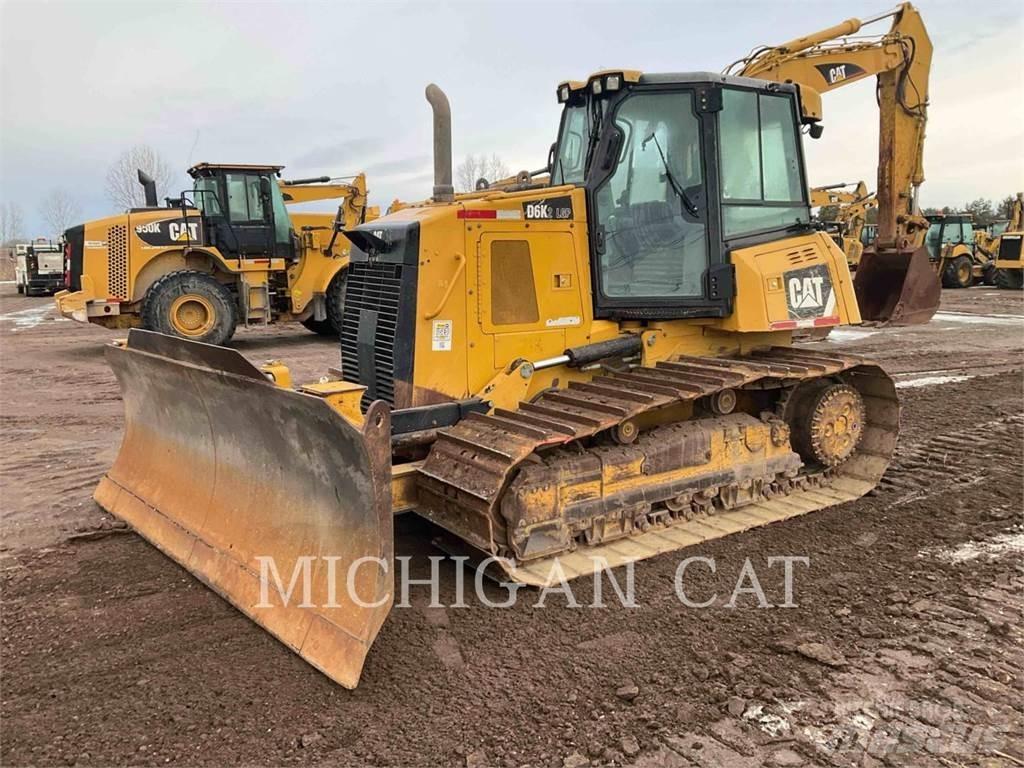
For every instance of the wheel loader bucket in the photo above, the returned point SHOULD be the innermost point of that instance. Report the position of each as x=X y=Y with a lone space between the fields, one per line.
x=267 y=495
x=896 y=287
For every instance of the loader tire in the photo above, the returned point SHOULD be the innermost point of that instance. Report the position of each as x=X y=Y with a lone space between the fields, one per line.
x=1010 y=279
x=958 y=273
x=331 y=325
x=190 y=305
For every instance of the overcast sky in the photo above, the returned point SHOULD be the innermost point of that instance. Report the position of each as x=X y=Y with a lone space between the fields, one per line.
x=335 y=88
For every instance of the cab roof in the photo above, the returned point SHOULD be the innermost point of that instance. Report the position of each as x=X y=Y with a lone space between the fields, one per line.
x=203 y=169
x=635 y=76
x=956 y=216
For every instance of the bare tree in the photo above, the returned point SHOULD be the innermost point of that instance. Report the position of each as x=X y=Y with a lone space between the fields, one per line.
x=474 y=168
x=123 y=187
x=11 y=223
x=59 y=210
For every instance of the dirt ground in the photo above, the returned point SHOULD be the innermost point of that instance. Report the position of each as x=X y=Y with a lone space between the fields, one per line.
x=904 y=648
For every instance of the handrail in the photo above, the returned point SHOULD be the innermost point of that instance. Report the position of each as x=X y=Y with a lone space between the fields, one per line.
x=451 y=286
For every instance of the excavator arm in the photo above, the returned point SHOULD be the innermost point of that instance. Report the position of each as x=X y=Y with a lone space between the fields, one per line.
x=352 y=209
x=851 y=216
x=838 y=194
x=900 y=59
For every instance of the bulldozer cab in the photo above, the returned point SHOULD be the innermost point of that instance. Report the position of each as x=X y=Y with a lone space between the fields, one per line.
x=678 y=171
x=682 y=169
x=243 y=210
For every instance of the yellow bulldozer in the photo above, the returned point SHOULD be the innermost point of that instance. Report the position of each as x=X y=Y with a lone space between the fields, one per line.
x=229 y=253
x=563 y=376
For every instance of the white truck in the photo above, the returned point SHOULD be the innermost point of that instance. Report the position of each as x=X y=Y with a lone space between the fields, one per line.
x=39 y=267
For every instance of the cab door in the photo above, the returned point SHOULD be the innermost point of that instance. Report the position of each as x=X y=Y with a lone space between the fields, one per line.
x=249 y=216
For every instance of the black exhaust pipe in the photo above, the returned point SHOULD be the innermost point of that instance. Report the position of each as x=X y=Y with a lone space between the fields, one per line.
x=149 y=186
x=444 y=192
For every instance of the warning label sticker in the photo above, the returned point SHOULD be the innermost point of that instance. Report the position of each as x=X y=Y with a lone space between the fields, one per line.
x=441 y=339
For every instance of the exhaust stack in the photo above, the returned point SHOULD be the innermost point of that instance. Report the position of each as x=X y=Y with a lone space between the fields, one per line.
x=149 y=186
x=444 y=192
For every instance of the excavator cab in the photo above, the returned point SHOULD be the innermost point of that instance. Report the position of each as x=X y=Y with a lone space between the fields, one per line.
x=243 y=210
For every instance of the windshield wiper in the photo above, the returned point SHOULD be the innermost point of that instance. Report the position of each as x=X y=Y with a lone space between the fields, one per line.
x=691 y=207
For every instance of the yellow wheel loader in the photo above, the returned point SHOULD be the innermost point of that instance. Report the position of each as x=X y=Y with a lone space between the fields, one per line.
x=229 y=253
x=950 y=241
x=1005 y=249
x=563 y=376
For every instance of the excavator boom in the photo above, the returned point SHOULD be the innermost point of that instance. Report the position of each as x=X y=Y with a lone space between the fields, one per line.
x=895 y=282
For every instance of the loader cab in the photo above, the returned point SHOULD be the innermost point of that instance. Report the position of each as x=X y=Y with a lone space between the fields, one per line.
x=946 y=230
x=243 y=210
x=679 y=170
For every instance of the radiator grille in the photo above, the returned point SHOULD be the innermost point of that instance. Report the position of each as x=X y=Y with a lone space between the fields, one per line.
x=373 y=288
x=117 y=262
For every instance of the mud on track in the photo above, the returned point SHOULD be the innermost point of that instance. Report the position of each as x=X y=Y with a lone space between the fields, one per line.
x=905 y=647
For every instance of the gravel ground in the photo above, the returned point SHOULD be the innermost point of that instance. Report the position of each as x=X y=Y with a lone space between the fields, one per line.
x=904 y=647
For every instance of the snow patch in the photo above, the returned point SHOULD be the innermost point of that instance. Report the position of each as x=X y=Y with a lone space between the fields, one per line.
x=27 y=318
x=842 y=335
x=772 y=724
x=972 y=319
x=927 y=381
x=991 y=549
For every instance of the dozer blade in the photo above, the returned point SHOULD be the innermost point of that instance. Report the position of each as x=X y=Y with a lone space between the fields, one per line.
x=228 y=474
x=897 y=287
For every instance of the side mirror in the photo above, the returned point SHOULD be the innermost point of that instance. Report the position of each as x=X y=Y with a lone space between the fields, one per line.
x=265 y=187
x=816 y=130
x=611 y=153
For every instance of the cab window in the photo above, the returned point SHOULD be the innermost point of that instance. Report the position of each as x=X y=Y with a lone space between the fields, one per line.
x=570 y=160
x=282 y=221
x=652 y=209
x=933 y=238
x=245 y=202
x=207 y=196
x=762 y=187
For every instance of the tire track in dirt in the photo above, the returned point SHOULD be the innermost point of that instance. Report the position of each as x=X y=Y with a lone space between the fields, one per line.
x=959 y=457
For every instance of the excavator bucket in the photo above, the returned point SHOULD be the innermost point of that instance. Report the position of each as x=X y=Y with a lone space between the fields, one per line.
x=267 y=495
x=896 y=287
